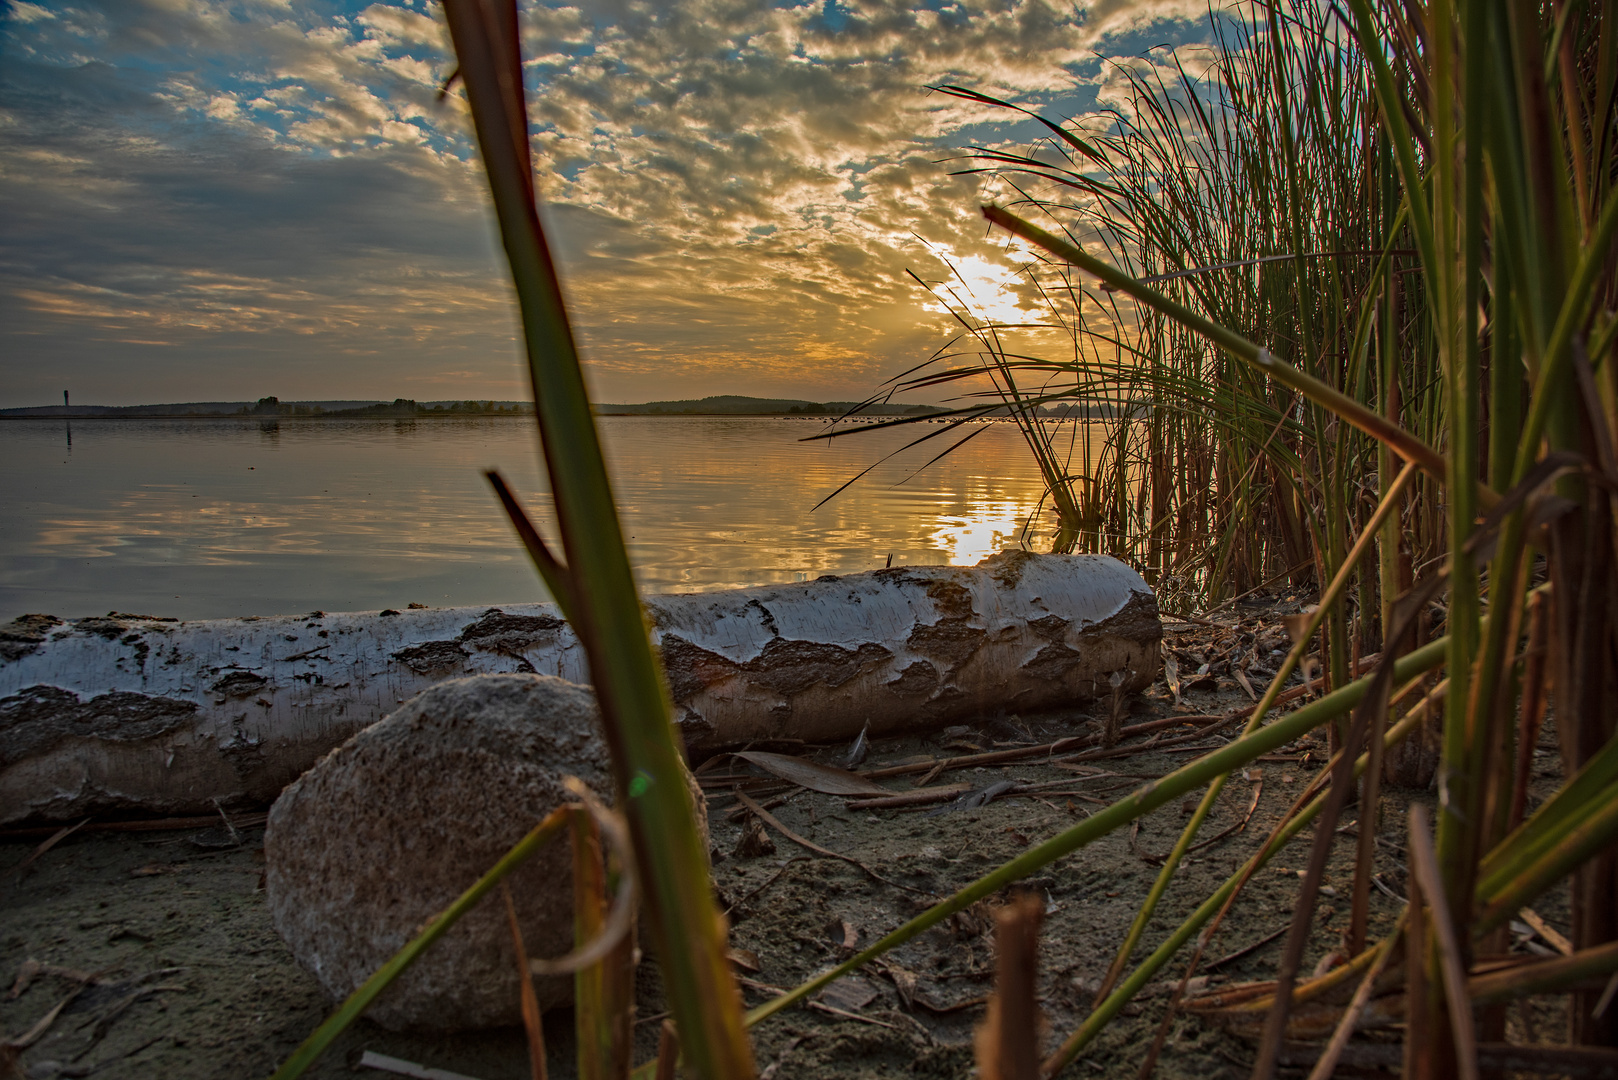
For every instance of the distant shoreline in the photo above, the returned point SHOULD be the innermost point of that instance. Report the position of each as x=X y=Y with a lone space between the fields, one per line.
x=325 y=417
x=457 y=416
x=273 y=409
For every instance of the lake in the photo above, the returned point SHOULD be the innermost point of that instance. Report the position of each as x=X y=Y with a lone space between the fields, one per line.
x=212 y=518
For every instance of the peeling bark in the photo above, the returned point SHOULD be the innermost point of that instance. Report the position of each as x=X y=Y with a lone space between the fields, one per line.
x=131 y=712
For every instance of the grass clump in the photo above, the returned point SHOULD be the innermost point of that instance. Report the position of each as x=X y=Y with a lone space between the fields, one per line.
x=1366 y=240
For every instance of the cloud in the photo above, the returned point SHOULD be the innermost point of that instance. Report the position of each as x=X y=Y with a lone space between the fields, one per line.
x=27 y=13
x=736 y=192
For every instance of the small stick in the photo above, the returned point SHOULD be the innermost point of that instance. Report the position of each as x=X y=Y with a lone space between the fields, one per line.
x=530 y=1001
x=818 y=1006
x=723 y=779
x=924 y=797
x=1424 y=867
x=770 y=820
x=1244 y=950
x=1071 y=742
x=1552 y=936
x=772 y=880
x=246 y=821
x=1258 y=790
x=235 y=837
x=1154 y=745
x=33 y=1034
x=370 y=1059
x=668 y=1051
x=737 y=812
x=22 y=868
x=832 y=1010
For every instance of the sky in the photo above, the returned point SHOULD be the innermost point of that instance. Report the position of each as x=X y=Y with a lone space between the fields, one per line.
x=207 y=200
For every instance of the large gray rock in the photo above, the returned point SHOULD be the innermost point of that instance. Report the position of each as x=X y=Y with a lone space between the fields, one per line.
x=386 y=830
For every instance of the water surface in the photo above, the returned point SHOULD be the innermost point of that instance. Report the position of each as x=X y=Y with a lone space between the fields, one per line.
x=211 y=518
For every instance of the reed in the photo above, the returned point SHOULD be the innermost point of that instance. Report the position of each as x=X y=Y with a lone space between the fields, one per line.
x=591 y=580
x=1370 y=235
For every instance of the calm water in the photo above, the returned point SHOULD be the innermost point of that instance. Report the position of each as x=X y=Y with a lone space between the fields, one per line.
x=211 y=518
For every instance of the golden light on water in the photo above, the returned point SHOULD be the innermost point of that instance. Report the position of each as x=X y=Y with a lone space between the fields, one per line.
x=212 y=519
x=991 y=527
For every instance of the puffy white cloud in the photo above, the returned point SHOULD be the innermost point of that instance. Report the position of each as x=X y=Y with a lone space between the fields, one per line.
x=27 y=13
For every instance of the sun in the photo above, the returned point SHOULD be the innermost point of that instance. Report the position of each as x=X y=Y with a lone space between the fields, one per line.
x=982 y=288
x=984 y=530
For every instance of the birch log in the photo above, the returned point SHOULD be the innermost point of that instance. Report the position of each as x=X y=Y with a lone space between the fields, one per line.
x=131 y=712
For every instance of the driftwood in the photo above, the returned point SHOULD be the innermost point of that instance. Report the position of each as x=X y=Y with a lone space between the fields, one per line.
x=131 y=712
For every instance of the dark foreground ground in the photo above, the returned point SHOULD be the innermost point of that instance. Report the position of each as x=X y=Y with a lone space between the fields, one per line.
x=163 y=944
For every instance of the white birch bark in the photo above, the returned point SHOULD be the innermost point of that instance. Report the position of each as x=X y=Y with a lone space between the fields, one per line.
x=131 y=713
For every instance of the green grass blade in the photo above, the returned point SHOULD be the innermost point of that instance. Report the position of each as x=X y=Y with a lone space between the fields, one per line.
x=1142 y=801
x=684 y=925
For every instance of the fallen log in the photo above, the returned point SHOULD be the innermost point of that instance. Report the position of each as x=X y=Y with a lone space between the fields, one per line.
x=131 y=712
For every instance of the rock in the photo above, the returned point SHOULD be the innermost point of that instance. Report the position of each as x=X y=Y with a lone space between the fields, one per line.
x=386 y=830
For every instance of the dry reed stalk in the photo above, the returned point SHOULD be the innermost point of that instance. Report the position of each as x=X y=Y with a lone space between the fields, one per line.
x=532 y=1027
x=1007 y=1041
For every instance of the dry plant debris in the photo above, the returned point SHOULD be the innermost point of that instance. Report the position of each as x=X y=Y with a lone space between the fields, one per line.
x=794 y=910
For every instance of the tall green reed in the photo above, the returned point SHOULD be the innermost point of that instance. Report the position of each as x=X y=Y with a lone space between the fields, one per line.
x=595 y=586
x=1447 y=276
x=591 y=580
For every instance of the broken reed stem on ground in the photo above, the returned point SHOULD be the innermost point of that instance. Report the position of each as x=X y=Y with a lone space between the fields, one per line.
x=1008 y=1039
x=532 y=1027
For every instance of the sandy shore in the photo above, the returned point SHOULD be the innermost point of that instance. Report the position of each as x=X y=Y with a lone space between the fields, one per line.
x=192 y=982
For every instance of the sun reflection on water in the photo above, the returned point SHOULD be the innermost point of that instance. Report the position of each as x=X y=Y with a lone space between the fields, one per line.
x=207 y=519
x=986 y=529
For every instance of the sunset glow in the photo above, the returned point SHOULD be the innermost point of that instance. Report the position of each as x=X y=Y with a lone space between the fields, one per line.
x=989 y=528
x=985 y=290
x=222 y=199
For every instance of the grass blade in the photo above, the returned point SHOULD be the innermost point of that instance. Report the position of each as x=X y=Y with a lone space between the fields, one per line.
x=532 y=1027
x=357 y=1002
x=649 y=773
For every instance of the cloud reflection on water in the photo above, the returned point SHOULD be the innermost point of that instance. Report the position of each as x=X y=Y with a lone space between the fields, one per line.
x=215 y=518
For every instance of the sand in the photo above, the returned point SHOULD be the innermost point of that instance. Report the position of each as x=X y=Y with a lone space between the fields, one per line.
x=192 y=982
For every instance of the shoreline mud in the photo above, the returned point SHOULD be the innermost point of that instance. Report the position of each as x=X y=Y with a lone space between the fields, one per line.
x=191 y=982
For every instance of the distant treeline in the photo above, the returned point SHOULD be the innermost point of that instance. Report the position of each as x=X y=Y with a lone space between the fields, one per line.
x=272 y=407
x=403 y=408
x=735 y=405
